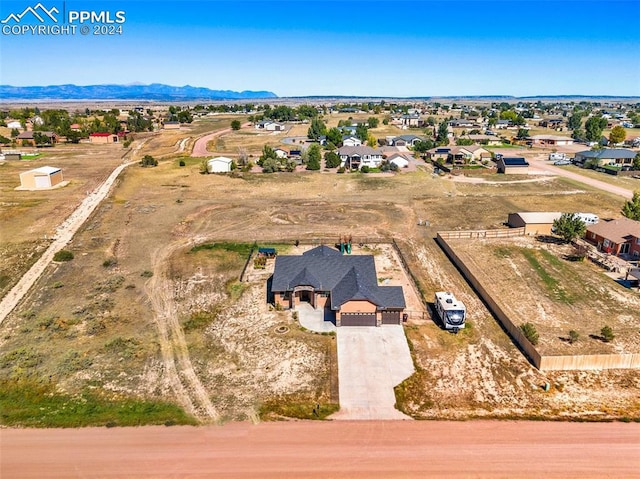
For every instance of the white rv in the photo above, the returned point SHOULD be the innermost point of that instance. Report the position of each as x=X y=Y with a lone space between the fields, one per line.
x=588 y=218
x=451 y=311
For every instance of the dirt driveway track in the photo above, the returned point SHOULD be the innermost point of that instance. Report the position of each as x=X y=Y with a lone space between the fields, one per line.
x=340 y=449
x=616 y=190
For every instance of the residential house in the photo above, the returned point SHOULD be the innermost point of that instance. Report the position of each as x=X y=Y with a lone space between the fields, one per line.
x=269 y=126
x=26 y=137
x=550 y=140
x=103 y=138
x=171 y=125
x=351 y=141
x=620 y=237
x=355 y=157
x=439 y=153
x=281 y=153
x=467 y=153
x=408 y=120
x=399 y=160
x=405 y=140
x=503 y=124
x=620 y=157
x=488 y=140
x=14 y=125
x=553 y=123
x=344 y=285
x=462 y=123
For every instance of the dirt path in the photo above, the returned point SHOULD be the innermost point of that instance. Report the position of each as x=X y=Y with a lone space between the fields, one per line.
x=601 y=185
x=305 y=450
x=180 y=375
x=64 y=234
x=200 y=146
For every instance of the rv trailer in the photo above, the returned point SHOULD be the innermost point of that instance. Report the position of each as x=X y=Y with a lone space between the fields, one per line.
x=451 y=311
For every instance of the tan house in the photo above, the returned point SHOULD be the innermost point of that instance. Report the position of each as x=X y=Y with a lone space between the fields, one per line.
x=534 y=223
x=103 y=138
x=344 y=286
x=27 y=137
x=44 y=177
x=171 y=125
x=550 y=140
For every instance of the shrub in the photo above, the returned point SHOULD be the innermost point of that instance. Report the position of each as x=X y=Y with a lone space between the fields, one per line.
x=573 y=336
x=182 y=163
x=341 y=169
x=607 y=334
x=530 y=332
x=148 y=160
x=146 y=273
x=365 y=169
x=63 y=255
x=107 y=263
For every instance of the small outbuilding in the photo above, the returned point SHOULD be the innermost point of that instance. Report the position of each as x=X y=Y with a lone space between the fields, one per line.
x=219 y=164
x=517 y=165
x=398 y=160
x=534 y=223
x=44 y=177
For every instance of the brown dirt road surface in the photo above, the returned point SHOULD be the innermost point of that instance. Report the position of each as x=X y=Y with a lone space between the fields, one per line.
x=363 y=449
x=200 y=146
x=616 y=190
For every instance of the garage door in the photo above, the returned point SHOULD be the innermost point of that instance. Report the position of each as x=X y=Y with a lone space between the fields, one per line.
x=42 y=181
x=358 y=319
x=391 y=317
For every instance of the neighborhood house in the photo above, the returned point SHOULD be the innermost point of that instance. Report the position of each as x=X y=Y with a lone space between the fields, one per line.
x=617 y=237
x=344 y=285
x=355 y=157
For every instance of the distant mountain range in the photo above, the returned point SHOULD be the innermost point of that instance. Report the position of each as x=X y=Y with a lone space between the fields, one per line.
x=155 y=91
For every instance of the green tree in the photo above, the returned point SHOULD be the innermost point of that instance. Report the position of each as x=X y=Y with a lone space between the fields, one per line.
x=185 y=116
x=14 y=133
x=569 y=227
x=4 y=140
x=575 y=121
x=315 y=155
x=270 y=165
x=578 y=134
x=530 y=332
x=235 y=125
x=522 y=134
x=331 y=159
x=41 y=138
x=442 y=137
x=362 y=132
x=334 y=136
x=371 y=141
x=267 y=154
x=636 y=162
x=148 y=160
x=617 y=135
x=631 y=208
x=594 y=128
x=423 y=146
x=316 y=129
x=373 y=122
x=607 y=334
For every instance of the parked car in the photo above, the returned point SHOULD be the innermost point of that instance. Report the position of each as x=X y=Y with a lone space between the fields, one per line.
x=562 y=162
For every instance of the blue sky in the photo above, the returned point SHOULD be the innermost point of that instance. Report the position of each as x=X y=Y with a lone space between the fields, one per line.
x=377 y=48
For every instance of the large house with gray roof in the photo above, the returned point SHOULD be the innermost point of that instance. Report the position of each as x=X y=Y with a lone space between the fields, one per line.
x=607 y=156
x=344 y=284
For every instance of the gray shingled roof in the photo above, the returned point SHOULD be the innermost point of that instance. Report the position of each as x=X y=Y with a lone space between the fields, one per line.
x=346 y=278
x=608 y=153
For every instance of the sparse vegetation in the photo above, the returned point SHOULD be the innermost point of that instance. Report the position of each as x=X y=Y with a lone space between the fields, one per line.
x=607 y=334
x=63 y=255
x=530 y=332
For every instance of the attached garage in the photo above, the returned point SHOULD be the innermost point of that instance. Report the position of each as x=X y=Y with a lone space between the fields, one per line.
x=40 y=178
x=391 y=317
x=357 y=319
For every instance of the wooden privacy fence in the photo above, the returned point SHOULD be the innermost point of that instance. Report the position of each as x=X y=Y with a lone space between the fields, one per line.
x=543 y=363
x=476 y=234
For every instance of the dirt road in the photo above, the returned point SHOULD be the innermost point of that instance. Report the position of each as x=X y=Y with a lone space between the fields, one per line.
x=616 y=190
x=64 y=234
x=200 y=146
x=180 y=374
x=338 y=449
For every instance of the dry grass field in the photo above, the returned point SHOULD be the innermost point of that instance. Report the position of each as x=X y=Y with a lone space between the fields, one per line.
x=139 y=314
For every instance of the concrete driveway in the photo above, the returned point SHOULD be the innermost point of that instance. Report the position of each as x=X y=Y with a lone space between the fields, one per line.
x=371 y=361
